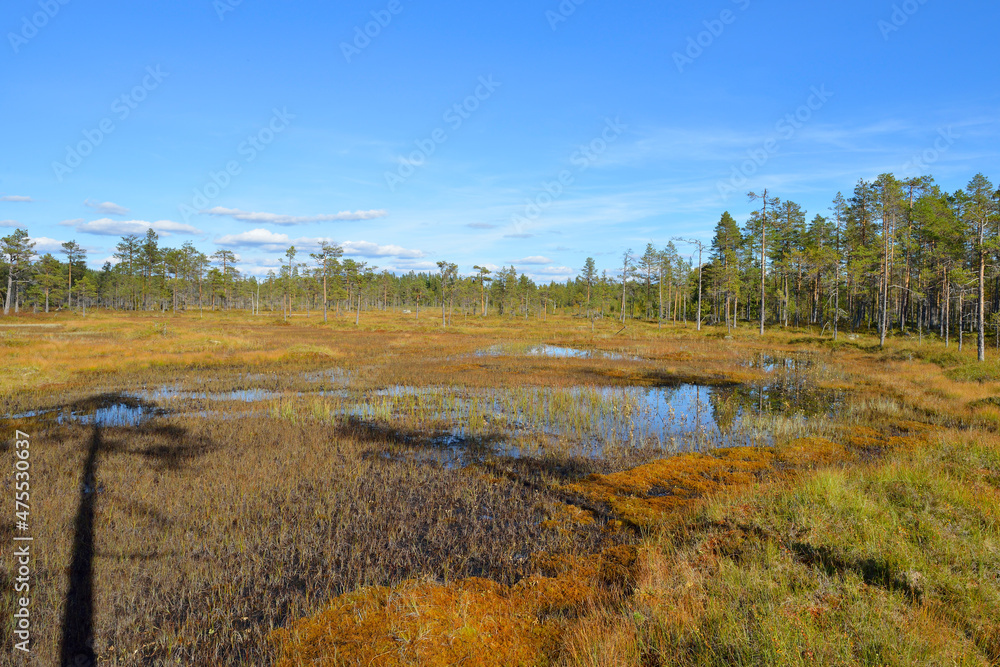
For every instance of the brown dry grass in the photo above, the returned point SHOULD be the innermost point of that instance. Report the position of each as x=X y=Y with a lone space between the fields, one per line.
x=211 y=533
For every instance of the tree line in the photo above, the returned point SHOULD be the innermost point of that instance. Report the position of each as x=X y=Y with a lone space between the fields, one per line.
x=895 y=255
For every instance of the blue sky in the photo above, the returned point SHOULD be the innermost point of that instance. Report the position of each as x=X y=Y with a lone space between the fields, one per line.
x=533 y=133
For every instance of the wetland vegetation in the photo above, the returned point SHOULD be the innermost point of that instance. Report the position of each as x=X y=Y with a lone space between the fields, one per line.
x=398 y=493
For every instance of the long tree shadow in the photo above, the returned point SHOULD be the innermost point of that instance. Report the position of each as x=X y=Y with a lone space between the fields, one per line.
x=76 y=646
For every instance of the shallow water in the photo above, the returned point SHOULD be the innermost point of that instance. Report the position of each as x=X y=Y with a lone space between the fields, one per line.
x=554 y=351
x=593 y=420
x=173 y=393
x=695 y=417
x=328 y=376
x=770 y=363
x=126 y=413
x=587 y=420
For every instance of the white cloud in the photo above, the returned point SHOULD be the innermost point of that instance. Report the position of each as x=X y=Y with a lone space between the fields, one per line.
x=259 y=265
x=366 y=249
x=407 y=265
x=265 y=239
x=534 y=259
x=277 y=219
x=553 y=271
x=481 y=225
x=18 y=198
x=44 y=244
x=109 y=227
x=107 y=208
x=9 y=223
x=255 y=237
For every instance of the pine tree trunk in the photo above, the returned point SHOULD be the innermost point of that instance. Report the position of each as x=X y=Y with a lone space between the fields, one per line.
x=10 y=289
x=981 y=306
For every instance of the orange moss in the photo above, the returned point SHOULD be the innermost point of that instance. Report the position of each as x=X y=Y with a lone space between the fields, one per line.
x=914 y=428
x=901 y=434
x=565 y=518
x=643 y=495
x=812 y=452
x=467 y=367
x=472 y=622
x=863 y=437
x=619 y=567
x=742 y=377
x=628 y=375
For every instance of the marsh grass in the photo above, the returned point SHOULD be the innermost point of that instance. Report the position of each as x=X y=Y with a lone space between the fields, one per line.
x=860 y=535
x=889 y=564
x=211 y=533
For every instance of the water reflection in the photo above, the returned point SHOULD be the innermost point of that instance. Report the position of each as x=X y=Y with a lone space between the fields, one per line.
x=554 y=351
x=593 y=420
x=107 y=411
x=590 y=420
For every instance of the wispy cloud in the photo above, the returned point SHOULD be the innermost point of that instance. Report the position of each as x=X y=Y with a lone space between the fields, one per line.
x=106 y=208
x=265 y=239
x=278 y=219
x=481 y=225
x=8 y=223
x=17 y=198
x=535 y=259
x=109 y=227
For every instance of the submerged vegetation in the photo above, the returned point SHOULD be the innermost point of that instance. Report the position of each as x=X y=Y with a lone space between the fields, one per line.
x=550 y=492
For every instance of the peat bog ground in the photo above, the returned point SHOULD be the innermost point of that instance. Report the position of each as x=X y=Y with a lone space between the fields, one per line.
x=234 y=490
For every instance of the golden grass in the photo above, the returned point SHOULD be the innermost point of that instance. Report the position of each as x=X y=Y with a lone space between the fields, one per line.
x=468 y=622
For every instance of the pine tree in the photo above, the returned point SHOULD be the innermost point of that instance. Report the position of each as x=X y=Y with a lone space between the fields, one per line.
x=763 y=221
x=979 y=211
x=328 y=260
x=17 y=249
x=589 y=276
x=74 y=254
